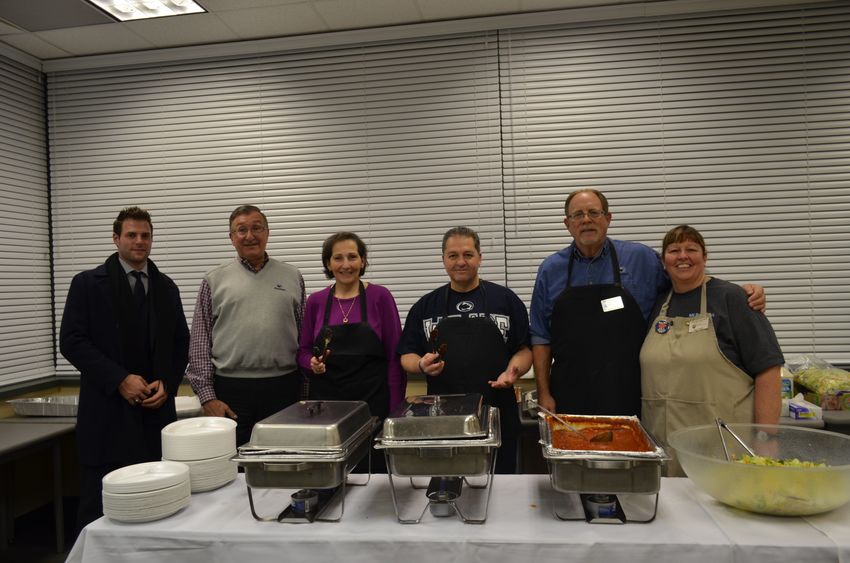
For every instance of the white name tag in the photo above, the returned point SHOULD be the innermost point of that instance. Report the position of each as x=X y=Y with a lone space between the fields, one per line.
x=612 y=304
x=699 y=324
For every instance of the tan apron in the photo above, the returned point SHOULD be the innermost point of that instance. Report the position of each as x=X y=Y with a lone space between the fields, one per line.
x=686 y=380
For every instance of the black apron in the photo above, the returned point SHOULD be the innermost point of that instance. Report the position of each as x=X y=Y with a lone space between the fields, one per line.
x=475 y=354
x=357 y=365
x=596 y=354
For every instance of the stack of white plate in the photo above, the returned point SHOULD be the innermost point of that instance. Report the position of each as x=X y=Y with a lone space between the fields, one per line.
x=146 y=491
x=205 y=444
x=187 y=407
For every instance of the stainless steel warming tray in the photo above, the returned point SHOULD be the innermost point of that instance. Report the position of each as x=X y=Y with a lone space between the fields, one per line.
x=608 y=472
x=452 y=441
x=441 y=435
x=438 y=417
x=312 y=446
x=62 y=405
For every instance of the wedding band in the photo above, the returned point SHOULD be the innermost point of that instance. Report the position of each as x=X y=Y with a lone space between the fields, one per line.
x=137 y=401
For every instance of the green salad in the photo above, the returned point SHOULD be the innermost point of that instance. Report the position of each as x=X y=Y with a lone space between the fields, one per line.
x=773 y=462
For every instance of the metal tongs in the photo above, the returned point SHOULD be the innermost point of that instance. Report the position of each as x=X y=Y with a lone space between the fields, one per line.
x=604 y=436
x=723 y=426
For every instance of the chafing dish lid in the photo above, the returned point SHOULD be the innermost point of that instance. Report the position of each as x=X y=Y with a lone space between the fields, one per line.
x=310 y=425
x=429 y=417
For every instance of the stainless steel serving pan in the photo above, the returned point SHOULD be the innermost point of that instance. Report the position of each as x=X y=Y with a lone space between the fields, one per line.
x=438 y=417
x=609 y=472
x=64 y=405
x=444 y=457
x=311 y=444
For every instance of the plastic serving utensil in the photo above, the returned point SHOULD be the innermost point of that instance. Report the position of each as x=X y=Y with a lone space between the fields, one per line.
x=605 y=436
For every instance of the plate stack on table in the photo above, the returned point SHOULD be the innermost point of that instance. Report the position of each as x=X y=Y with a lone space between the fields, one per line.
x=205 y=444
x=146 y=491
x=188 y=407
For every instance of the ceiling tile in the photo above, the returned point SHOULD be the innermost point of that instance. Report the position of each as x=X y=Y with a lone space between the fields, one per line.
x=350 y=14
x=449 y=9
x=92 y=40
x=191 y=29
x=274 y=22
x=41 y=15
x=540 y=5
x=31 y=44
x=6 y=28
x=228 y=5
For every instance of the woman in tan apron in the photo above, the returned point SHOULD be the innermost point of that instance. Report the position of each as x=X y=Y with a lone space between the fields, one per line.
x=706 y=353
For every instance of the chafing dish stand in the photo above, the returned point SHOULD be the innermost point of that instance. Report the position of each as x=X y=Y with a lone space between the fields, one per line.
x=444 y=446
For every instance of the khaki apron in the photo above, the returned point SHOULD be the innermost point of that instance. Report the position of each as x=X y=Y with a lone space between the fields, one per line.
x=686 y=380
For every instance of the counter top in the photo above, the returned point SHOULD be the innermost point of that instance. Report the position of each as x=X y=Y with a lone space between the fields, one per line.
x=689 y=526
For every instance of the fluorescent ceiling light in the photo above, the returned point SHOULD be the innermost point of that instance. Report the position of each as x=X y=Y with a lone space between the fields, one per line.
x=126 y=10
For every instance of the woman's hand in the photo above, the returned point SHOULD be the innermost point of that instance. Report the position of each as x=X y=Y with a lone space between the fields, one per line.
x=318 y=364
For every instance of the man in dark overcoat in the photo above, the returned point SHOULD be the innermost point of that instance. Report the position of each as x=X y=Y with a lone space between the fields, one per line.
x=125 y=331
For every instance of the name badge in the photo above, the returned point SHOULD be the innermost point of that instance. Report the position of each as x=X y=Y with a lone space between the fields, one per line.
x=697 y=325
x=612 y=304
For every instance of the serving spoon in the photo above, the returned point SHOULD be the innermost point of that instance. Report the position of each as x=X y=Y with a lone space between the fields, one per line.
x=604 y=436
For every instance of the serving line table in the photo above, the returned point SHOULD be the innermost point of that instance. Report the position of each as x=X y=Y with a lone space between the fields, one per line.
x=20 y=437
x=690 y=527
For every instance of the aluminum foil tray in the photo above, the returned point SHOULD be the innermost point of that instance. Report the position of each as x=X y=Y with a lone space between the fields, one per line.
x=443 y=457
x=64 y=405
x=436 y=417
x=311 y=425
x=611 y=472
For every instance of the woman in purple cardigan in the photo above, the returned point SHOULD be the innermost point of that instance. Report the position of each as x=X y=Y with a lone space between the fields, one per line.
x=350 y=333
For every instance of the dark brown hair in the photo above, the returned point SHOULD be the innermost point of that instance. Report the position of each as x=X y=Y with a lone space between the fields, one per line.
x=328 y=248
x=682 y=233
x=134 y=213
x=462 y=232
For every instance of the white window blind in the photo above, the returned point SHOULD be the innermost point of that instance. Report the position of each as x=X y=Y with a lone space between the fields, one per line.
x=397 y=142
x=26 y=317
x=736 y=123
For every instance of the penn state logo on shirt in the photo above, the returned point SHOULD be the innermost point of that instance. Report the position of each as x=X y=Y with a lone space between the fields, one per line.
x=465 y=306
x=662 y=326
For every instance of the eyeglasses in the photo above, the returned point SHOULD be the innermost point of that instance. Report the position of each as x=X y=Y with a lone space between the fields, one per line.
x=593 y=214
x=243 y=230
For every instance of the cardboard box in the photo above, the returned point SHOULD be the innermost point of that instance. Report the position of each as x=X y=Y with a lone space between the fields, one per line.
x=830 y=401
x=801 y=409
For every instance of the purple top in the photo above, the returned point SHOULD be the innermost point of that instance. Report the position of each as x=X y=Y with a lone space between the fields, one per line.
x=383 y=318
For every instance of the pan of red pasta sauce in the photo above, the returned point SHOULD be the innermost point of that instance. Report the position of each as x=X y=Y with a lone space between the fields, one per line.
x=626 y=435
x=629 y=463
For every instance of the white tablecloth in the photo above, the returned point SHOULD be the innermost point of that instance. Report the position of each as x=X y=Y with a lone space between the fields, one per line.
x=690 y=526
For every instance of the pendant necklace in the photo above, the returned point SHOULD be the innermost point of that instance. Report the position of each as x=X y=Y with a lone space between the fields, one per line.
x=344 y=312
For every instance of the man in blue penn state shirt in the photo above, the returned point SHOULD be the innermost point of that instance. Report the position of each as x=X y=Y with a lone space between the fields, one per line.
x=589 y=311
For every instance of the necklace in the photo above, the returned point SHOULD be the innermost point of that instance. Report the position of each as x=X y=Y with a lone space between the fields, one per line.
x=344 y=312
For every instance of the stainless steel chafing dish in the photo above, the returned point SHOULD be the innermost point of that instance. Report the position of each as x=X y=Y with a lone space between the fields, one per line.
x=597 y=472
x=450 y=438
x=594 y=471
x=309 y=445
